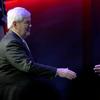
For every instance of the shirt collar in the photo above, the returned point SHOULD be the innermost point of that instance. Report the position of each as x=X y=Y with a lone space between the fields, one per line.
x=17 y=34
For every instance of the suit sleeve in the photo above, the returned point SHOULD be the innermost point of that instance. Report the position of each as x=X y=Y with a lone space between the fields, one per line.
x=18 y=58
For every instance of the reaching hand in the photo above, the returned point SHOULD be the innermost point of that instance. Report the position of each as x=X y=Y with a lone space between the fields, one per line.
x=66 y=73
x=97 y=68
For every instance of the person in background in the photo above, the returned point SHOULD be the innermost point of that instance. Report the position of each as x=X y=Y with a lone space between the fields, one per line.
x=17 y=66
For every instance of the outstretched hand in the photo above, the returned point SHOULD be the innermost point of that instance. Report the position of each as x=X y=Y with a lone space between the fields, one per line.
x=97 y=69
x=66 y=73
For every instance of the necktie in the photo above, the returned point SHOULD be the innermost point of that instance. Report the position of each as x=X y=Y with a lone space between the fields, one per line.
x=26 y=44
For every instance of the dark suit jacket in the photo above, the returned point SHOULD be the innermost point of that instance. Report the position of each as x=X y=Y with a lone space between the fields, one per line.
x=16 y=61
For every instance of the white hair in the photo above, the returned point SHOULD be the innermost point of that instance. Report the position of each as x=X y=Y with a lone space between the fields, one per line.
x=16 y=14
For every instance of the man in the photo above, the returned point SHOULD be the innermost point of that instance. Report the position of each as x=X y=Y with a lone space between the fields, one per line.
x=17 y=67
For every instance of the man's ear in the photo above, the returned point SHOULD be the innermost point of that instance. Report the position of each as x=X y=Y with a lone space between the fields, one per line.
x=14 y=24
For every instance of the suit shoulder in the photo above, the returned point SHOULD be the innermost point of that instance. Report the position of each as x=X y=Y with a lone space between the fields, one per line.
x=6 y=39
x=9 y=38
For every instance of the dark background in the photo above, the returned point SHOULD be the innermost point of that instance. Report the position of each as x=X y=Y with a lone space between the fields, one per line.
x=65 y=33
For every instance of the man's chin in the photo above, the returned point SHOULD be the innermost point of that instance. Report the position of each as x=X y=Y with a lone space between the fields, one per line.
x=28 y=34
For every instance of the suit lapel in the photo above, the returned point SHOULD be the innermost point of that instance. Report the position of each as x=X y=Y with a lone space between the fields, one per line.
x=21 y=41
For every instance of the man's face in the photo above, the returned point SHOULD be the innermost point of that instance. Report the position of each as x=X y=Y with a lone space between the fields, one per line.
x=23 y=27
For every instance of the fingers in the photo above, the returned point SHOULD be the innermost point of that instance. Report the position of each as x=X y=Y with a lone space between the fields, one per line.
x=66 y=73
x=70 y=74
x=97 y=68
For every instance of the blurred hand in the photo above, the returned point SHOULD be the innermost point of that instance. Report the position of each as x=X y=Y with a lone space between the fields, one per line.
x=66 y=73
x=97 y=69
